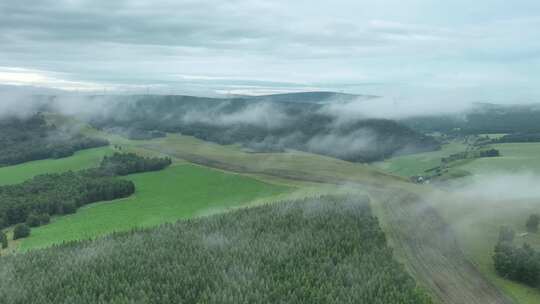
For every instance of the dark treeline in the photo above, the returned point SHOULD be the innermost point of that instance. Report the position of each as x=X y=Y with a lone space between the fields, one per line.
x=489 y=153
x=129 y=163
x=264 y=125
x=35 y=200
x=62 y=193
x=28 y=139
x=326 y=250
x=471 y=154
x=521 y=264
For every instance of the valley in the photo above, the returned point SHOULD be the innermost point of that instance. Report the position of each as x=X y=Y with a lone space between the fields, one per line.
x=454 y=238
x=287 y=152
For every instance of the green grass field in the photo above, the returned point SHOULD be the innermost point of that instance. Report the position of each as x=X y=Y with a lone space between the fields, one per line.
x=81 y=160
x=515 y=157
x=181 y=191
x=417 y=164
x=290 y=165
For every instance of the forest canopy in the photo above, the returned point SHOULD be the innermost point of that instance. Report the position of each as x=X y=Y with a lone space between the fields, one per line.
x=129 y=163
x=318 y=250
x=32 y=138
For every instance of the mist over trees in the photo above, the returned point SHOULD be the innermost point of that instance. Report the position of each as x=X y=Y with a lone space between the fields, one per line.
x=318 y=250
x=521 y=264
x=264 y=126
x=32 y=138
x=519 y=121
x=532 y=223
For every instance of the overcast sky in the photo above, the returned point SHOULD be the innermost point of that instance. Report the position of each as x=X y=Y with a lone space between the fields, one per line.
x=476 y=50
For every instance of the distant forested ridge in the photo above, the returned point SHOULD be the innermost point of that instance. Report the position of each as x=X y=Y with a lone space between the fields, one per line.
x=483 y=118
x=64 y=193
x=319 y=250
x=263 y=125
x=320 y=97
x=27 y=139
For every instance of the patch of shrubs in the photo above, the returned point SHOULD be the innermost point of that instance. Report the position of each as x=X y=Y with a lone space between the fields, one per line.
x=21 y=231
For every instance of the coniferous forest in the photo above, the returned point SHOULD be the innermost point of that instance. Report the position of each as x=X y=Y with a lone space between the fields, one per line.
x=318 y=250
x=32 y=138
x=129 y=163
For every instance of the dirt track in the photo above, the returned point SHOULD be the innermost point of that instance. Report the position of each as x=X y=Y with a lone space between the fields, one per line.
x=430 y=251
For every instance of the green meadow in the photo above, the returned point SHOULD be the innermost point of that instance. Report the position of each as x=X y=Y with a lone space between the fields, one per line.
x=417 y=164
x=515 y=157
x=80 y=160
x=178 y=192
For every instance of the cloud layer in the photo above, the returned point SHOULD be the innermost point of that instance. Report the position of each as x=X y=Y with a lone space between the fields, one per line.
x=247 y=46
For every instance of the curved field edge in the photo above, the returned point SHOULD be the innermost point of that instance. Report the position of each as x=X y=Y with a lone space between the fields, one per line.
x=178 y=192
x=82 y=159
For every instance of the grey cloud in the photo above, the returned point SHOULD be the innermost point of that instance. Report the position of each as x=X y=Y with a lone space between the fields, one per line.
x=345 y=145
x=142 y=42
